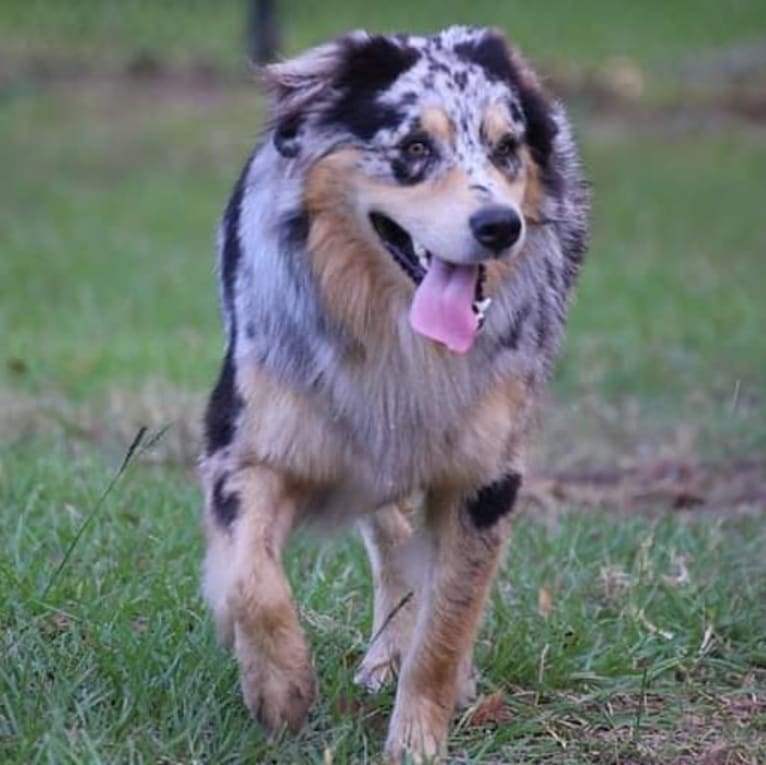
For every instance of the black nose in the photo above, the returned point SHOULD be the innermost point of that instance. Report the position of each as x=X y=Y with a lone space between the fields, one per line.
x=496 y=227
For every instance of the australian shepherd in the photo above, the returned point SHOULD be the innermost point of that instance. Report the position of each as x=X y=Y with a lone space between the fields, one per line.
x=395 y=266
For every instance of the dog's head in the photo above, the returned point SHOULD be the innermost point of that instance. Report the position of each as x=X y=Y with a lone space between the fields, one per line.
x=425 y=160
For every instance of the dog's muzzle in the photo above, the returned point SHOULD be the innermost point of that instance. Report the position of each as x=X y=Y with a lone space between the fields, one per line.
x=449 y=304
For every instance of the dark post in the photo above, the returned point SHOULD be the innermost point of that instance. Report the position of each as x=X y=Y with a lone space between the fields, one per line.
x=262 y=30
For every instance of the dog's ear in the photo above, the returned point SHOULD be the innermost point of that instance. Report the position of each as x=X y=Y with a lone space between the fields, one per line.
x=489 y=49
x=341 y=78
x=303 y=83
x=295 y=84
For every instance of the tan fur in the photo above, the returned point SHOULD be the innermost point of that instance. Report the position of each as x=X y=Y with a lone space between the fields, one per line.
x=282 y=427
x=359 y=287
x=533 y=189
x=254 y=603
x=438 y=124
x=495 y=125
x=453 y=595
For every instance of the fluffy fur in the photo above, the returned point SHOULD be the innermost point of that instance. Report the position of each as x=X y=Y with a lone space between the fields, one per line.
x=329 y=405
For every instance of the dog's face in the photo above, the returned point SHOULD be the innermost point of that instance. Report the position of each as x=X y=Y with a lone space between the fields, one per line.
x=429 y=154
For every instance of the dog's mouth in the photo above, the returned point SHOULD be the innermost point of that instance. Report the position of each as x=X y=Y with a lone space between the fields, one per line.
x=449 y=304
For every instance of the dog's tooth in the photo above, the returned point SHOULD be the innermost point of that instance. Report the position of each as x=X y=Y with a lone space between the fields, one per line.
x=421 y=253
x=482 y=306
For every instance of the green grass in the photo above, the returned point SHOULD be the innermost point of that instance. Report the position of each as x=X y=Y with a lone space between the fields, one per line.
x=587 y=31
x=654 y=650
x=653 y=622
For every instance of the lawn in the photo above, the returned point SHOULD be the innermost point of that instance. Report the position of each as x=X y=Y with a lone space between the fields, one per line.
x=628 y=625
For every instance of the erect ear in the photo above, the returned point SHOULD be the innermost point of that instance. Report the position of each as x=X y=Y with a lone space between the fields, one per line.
x=300 y=84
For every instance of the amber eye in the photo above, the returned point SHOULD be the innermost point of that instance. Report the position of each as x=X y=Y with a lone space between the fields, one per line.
x=417 y=149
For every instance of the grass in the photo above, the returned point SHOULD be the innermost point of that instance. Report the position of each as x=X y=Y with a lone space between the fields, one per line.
x=612 y=637
x=653 y=623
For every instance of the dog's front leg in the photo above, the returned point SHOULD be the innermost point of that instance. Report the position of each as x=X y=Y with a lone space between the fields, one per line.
x=464 y=540
x=387 y=534
x=276 y=674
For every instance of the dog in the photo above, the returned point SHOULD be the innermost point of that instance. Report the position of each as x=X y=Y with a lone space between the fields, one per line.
x=395 y=267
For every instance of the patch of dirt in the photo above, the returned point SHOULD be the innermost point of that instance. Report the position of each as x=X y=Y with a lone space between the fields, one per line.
x=172 y=416
x=710 y=88
x=677 y=484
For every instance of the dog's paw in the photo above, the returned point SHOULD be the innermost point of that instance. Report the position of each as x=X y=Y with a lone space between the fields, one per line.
x=414 y=741
x=382 y=661
x=379 y=667
x=277 y=699
x=277 y=680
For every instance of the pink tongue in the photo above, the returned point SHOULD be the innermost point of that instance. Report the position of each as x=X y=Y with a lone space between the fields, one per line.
x=442 y=307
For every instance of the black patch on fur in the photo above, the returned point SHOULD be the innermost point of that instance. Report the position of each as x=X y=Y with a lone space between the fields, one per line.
x=287 y=137
x=461 y=80
x=225 y=503
x=513 y=337
x=367 y=70
x=223 y=408
x=494 y=501
x=490 y=52
x=232 y=249
x=403 y=172
x=294 y=231
x=539 y=135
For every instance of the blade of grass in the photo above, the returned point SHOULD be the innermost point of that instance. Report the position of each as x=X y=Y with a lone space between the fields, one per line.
x=134 y=445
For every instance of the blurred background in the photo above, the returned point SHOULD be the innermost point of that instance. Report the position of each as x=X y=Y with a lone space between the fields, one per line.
x=123 y=125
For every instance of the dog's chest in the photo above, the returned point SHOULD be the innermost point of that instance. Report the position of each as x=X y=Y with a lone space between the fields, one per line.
x=408 y=425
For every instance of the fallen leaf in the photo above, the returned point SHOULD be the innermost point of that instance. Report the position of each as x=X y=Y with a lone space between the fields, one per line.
x=544 y=600
x=56 y=624
x=138 y=625
x=490 y=710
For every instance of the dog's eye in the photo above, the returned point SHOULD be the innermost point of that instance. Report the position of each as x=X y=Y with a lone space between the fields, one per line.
x=417 y=148
x=505 y=148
